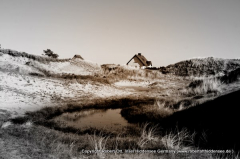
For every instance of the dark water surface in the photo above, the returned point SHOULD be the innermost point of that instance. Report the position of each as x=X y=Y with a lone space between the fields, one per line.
x=110 y=119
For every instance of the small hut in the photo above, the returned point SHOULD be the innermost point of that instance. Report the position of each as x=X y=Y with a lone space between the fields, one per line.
x=78 y=57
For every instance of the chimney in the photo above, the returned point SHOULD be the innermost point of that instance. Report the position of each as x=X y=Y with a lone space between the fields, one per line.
x=139 y=54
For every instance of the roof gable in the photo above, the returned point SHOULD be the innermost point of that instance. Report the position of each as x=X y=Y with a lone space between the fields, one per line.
x=142 y=59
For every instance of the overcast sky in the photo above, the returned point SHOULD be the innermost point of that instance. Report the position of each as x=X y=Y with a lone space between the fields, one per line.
x=112 y=31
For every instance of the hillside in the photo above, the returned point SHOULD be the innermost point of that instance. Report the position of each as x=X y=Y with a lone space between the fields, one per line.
x=39 y=97
x=202 y=66
x=29 y=82
x=217 y=118
x=24 y=63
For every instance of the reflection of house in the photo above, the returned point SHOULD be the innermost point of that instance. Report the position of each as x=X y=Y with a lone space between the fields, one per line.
x=139 y=60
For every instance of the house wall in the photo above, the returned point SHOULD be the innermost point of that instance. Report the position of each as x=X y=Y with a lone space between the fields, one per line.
x=135 y=62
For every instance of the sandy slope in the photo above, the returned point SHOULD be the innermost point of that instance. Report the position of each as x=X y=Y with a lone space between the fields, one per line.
x=20 y=92
x=26 y=93
x=71 y=66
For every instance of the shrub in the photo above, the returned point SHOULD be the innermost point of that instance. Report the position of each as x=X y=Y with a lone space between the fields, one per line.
x=50 y=53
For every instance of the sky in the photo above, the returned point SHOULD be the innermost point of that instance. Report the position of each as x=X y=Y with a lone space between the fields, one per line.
x=112 y=31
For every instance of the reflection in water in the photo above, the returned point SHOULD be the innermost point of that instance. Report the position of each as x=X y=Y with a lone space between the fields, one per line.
x=77 y=115
x=101 y=118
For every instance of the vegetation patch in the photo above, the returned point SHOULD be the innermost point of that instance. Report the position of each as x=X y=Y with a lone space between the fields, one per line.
x=44 y=116
x=201 y=67
x=203 y=86
x=30 y=56
x=154 y=113
x=115 y=73
x=230 y=77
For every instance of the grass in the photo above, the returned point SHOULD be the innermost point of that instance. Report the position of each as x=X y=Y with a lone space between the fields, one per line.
x=39 y=142
x=148 y=134
x=115 y=73
x=202 y=87
x=30 y=56
x=202 y=66
x=97 y=139
x=46 y=71
x=98 y=143
x=82 y=79
x=214 y=84
x=49 y=143
x=231 y=76
x=217 y=118
x=177 y=140
x=106 y=75
x=157 y=111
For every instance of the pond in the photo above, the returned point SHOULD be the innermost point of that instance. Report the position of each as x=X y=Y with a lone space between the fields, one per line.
x=109 y=119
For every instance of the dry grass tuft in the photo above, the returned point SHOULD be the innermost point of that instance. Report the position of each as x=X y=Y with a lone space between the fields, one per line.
x=163 y=108
x=204 y=86
x=149 y=133
x=98 y=143
x=176 y=141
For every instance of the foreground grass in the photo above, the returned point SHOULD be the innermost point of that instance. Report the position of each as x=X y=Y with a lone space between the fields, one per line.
x=33 y=141
x=49 y=140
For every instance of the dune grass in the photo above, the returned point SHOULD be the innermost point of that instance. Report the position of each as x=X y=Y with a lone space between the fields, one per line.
x=116 y=73
x=148 y=134
x=177 y=140
x=203 y=86
x=49 y=143
x=30 y=56
x=202 y=66
x=158 y=110
x=106 y=74
x=98 y=143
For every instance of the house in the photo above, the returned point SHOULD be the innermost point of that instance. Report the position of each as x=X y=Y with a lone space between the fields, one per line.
x=139 y=60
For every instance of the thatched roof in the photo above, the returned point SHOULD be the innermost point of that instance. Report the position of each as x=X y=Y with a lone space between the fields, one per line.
x=142 y=59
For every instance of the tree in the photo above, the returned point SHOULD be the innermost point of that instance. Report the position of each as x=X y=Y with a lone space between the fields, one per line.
x=50 y=53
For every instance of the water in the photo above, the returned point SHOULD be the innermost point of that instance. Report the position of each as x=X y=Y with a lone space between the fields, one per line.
x=109 y=119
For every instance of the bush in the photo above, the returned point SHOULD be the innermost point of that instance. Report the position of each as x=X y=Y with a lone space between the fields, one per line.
x=50 y=53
